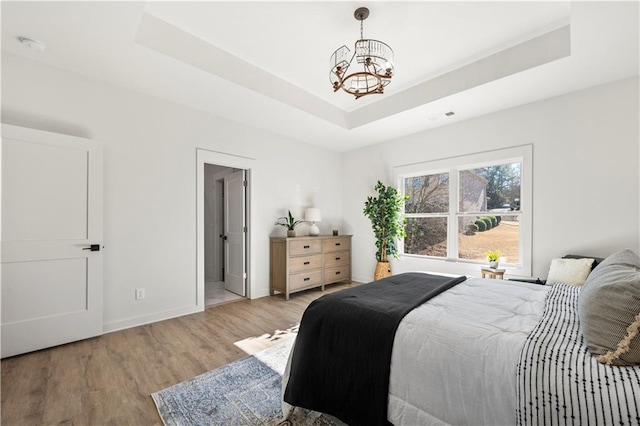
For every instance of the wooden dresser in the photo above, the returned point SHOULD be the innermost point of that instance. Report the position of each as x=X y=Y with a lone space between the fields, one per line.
x=300 y=263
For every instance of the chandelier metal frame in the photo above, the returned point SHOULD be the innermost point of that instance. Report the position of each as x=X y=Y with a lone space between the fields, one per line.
x=376 y=58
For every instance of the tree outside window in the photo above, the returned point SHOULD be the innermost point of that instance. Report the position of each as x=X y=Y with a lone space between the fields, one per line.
x=481 y=206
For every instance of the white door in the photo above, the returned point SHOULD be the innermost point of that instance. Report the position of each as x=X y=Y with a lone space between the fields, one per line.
x=234 y=233
x=51 y=215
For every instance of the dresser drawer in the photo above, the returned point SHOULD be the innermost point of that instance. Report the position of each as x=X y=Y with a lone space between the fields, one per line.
x=337 y=244
x=305 y=279
x=338 y=258
x=332 y=275
x=302 y=247
x=304 y=263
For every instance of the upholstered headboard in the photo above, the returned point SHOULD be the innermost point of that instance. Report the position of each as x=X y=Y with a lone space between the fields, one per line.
x=596 y=260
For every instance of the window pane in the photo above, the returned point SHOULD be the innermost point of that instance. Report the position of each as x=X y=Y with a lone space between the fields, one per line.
x=494 y=188
x=427 y=194
x=479 y=234
x=426 y=236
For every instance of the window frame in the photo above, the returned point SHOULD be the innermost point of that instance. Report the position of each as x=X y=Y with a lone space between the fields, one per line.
x=453 y=166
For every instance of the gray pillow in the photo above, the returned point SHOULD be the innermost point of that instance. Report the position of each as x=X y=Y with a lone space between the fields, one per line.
x=609 y=309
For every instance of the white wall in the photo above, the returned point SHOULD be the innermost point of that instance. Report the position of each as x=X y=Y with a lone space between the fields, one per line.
x=150 y=181
x=585 y=173
x=586 y=179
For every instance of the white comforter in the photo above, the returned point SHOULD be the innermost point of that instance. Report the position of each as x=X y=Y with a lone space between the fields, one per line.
x=455 y=357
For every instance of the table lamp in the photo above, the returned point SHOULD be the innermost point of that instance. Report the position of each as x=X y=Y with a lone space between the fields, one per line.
x=313 y=215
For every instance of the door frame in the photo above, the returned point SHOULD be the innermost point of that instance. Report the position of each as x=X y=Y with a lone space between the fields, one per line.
x=204 y=156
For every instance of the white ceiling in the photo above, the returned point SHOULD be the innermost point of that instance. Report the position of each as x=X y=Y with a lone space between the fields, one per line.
x=265 y=64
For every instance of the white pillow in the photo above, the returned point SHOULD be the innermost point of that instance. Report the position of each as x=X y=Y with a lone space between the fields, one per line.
x=569 y=271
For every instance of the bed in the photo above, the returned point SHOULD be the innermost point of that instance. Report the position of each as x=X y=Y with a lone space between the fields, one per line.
x=494 y=352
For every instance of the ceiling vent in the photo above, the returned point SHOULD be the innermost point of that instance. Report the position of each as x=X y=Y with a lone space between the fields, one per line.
x=440 y=116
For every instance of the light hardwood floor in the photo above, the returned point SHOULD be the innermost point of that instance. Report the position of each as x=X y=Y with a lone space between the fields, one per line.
x=108 y=380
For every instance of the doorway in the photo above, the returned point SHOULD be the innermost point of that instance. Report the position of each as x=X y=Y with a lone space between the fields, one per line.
x=230 y=269
x=225 y=231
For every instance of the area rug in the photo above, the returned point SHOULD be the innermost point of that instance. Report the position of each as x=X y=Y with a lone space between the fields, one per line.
x=245 y=392
x=251 y=345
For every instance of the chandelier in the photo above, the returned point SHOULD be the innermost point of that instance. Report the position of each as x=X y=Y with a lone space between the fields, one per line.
x=375 y=57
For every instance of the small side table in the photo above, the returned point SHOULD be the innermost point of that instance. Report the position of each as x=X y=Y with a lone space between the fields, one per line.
x=492 y=273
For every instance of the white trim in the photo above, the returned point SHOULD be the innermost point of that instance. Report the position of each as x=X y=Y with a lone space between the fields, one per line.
x=203 y=157
x=523 y=153
x=258 y=294
x=362 y=280
x=472 y=160
x=110 y=327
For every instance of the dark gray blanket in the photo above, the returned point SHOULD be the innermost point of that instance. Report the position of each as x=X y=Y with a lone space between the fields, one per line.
x=342 y=356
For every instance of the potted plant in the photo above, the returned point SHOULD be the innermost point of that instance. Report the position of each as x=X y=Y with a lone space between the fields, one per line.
x=290 y=223
x=493 y=256
x=388 y=222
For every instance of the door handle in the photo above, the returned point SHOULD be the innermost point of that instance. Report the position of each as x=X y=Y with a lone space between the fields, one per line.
x=224 y=238
x=93 y=247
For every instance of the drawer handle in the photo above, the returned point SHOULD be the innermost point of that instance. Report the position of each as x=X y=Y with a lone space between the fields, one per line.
x=306 y=247
x=337 y=258
x=337 y=244
x=338 y=273
x=306 y=263
x=307 y=279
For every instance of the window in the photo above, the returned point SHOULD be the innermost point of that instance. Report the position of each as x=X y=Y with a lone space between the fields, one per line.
x=427 y=212
x=459 y=208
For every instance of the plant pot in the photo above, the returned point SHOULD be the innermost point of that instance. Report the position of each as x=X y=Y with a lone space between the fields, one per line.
x=383 y=270
x=493 y=264
x=291 y=233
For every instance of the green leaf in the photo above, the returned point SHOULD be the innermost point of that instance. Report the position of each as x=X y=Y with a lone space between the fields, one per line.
x=387 y=220
x=288 y=222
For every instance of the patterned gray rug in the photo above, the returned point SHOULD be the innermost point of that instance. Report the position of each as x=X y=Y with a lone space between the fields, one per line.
x=245 y=392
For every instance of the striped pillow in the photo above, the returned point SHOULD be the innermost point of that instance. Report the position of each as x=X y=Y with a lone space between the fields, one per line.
x=609 y=309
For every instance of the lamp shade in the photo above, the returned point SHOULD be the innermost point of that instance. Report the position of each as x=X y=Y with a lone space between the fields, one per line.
x=312 y=215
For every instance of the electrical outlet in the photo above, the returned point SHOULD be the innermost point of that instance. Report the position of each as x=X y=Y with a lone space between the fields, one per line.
x=139 y=293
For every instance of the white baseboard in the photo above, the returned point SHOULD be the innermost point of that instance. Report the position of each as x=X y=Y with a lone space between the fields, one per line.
x=259 y=294
x=363 y=280
x=110 y=327
x=148 y=319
